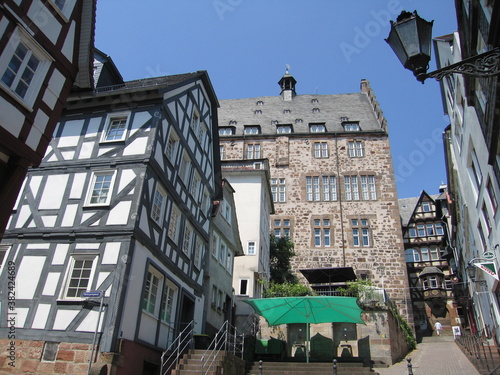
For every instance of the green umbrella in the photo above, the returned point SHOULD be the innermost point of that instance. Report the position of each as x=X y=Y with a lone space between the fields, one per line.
x=315 y=309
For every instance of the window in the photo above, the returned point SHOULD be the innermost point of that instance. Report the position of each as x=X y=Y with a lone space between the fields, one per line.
x=173 y=224
x=317 y=128
x=284 y=129
x=412 y=230
x=101 y=187
x=278 y=189
x=185 y=168
x=116 y=127
x=222 y=152
x=322 y=232
x=159 y=199
x=315 y=110
x=188 y=234
x=492 y=196
x=430 y=229
x=412 y=255
x=171 y=147
x=439 y=229
x=168 y=298
x=286 y=111
x=226 y=130
x=226 y=211
x=351 y=126
x=202 y=131
x=356 y=149
x=360 y=232
x=4 y=249
x=151 y=289
x=424 y=251
x=421 y=230
x=368 y=189
x=320 y=149
x=351 y=188
x=322 y=188
x=258 y=112
x=214 y=296
x=244 y=287
x=80 y=275
x=474 y=169
x=486 y=218
x=23 y=66
x=252 y=130
x=259 y=102
x=195 y=186
x=253 y=151
x=314 y=100
x=222 y=252
x=251 y=248
x=198 y=251
x=282 y=228
x=435 y=253
x=426 y=207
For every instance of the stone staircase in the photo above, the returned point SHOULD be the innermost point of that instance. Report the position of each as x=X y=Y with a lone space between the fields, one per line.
x=313 y=368
x=199 y=362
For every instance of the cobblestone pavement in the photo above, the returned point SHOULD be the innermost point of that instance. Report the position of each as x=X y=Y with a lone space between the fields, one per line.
x=434 y=358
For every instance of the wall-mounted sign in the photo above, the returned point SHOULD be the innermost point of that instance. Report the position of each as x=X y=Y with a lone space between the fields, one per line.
x=490 y=255
x=489 y=267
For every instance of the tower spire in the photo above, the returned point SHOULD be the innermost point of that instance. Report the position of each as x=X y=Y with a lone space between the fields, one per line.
x=287 y=84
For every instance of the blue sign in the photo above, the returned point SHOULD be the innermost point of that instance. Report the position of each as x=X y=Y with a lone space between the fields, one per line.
x=95 y=294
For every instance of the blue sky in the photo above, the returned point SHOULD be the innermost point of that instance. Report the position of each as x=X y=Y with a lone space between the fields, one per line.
x=330 y=45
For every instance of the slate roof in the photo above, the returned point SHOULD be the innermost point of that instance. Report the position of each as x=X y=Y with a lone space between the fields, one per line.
x=331 y=108
x=407 y=206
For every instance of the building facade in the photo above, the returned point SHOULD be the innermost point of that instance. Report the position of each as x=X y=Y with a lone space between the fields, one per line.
x=428 y=258
x=45 y=52
x=332 y=180
x=121 y=205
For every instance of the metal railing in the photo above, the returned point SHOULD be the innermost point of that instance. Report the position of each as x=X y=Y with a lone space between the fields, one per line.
x=226 y=339
x=481 y=351
x=179 y=346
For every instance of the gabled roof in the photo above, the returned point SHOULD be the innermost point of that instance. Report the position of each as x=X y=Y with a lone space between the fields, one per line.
x=407 y=206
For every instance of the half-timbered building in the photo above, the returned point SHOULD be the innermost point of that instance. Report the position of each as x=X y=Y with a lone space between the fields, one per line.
x=121 y=206
x=45 y=52
x=428 y=257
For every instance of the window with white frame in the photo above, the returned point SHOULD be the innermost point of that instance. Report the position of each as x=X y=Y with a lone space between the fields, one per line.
x=426 y=206
x=198 y=253
x=173 y=224
x=171 y=147
x=253 y=151
x=475 y=170
x=64 y=6
x=317 y=128
x=252 y=130
x=79 y=276
x=23 y=67
x=368 y=188
x=351 y=126
x=229 y=262
x=222 y=252
x=186 y=244
x=320 y=150
x=412 y=255
x=356 y=149
x=226 y=211
x=282 y=228
x=168 y=299
x=251 y=248
x=215 y=246
x=185 y=168
x=214 y=297
x=101 y=188
x=227 y=130
x=322 y=232
x=321 y=188
x=351 y=188
x=284 y=129
x=195 y=186
x=486 y=219
x=158 y=206
x=278 y=189
x=152 y=288
x=115 y=128
x=360 y=232
x=492 y=197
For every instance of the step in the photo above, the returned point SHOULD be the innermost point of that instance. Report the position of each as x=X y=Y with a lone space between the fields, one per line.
x=296 y=368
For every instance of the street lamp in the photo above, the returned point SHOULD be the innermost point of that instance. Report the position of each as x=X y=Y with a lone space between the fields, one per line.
x=410 y=39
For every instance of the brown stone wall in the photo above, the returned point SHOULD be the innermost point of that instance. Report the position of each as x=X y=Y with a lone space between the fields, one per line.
x=384 y=260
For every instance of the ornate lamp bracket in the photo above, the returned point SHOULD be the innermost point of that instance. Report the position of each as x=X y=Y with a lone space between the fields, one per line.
x=483 y=65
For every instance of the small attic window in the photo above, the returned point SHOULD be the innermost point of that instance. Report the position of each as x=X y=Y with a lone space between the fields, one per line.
x=298 y=121
x=286 y=111
x=274 y=122
x=232 y=122
x=344 y=119
x=315 y=110
x=314 y=100
x=259 y=102
x=258 y=112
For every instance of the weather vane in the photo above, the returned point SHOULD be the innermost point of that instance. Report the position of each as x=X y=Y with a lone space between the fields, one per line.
x=287 y=68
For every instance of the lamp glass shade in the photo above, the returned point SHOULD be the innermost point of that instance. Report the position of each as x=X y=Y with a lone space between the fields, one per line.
x=410 y=39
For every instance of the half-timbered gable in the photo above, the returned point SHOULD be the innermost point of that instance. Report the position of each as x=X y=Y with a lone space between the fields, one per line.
x=121 y=203
x=45 y=52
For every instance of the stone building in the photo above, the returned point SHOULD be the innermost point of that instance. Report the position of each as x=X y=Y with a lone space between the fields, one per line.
x=332 y=182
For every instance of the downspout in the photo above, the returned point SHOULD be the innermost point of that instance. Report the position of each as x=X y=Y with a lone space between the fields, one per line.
x=340 y=202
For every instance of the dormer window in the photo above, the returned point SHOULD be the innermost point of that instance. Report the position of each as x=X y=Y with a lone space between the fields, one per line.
x=258 y=112
x=351 y=126
x=259 y=102
x=344 y=119
x=314 y=100
x=285 y=111
x=299 y=121
x=284 y=129
x=226 y=130
x=232 y=122
x=274 y=122
x=315 y=110
x=317 y=128
x=252 y=130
